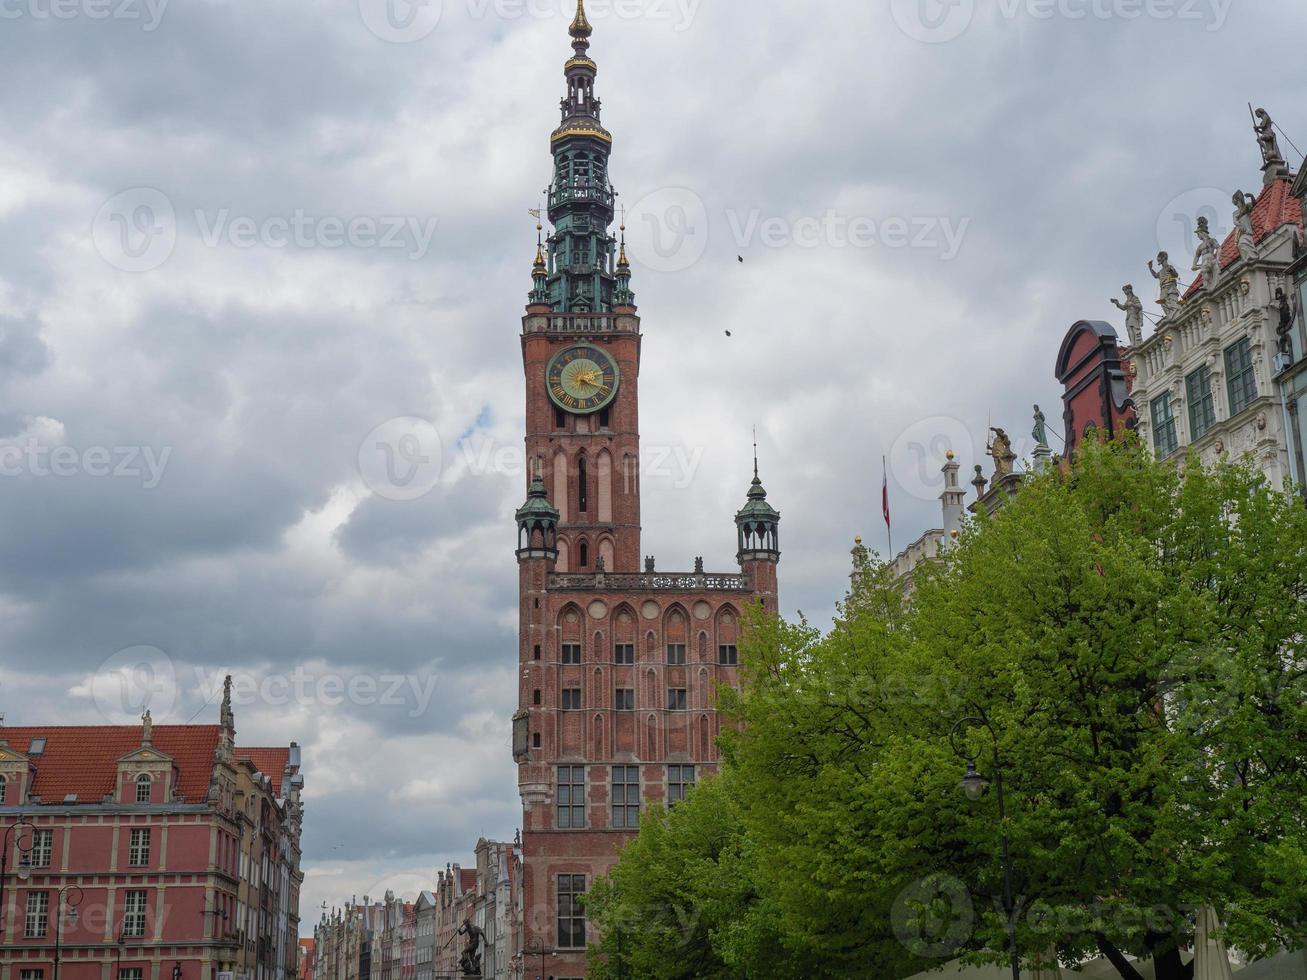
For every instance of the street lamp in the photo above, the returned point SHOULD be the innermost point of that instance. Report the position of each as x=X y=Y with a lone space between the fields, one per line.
x=973 y=786
x=120 y=945
x=72 y=896
x=20 y=826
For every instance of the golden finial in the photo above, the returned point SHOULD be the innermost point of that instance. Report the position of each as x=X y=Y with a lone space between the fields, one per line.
x=580 y=25
x=621 y=253
x=858 y=540
x=949 y=455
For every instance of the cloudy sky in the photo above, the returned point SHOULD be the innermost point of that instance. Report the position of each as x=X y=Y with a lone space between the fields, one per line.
x=261 y=271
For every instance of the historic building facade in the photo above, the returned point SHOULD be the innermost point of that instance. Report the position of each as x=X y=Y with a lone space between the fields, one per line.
x=618 y=660
x=148 y=853
x=1206 y=379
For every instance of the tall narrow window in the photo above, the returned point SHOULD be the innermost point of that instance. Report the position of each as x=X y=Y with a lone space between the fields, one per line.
x=138 y=851
x=571 y=797
x=582 y=501
x=1164 y=437
x=42 y=848
x=571 y=914
x=626 y=797
x=1202 y=410
x=38 y=915
x=560 y=419
x=584 y=550
x=603 y=418
x=143 y=785
x=1241 y=378
x=134 y=913
x=680 y=780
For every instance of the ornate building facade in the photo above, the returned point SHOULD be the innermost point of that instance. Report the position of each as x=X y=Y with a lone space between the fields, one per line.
x=148 y=853
x=1206 y=378
x=619 y=661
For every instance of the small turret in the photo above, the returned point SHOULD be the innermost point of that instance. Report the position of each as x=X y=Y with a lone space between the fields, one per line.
x=537 y=525
x=758 y=524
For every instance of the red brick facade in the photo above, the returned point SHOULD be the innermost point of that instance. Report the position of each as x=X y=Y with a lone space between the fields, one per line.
x=619 y=663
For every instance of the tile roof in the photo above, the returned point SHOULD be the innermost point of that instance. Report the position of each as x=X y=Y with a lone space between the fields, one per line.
x=84 y=760
x=1275 y=208
x=467 y=879
x=271 y=762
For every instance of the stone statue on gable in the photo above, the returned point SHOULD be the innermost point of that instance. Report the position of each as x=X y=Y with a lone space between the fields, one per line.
x=1168 y=283
x=1245 y=231
x=1207 y=257
x=1133 y=307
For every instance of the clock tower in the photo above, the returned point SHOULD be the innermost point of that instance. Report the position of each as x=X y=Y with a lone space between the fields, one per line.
x=619 y=662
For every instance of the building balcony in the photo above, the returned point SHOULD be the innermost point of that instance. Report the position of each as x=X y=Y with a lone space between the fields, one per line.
x=588 y=191
x=597 y=324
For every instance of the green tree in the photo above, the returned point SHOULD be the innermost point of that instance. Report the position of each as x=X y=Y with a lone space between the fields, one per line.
x=1128 y=637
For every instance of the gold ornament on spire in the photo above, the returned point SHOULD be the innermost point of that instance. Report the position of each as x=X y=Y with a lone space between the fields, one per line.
x=580 y=24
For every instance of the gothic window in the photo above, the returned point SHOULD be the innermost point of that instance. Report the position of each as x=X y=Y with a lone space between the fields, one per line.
x=604 y=488
x=680 y=780
x=584 y=552
x=1202 y=406
x=626 y=797
x=581 y=497
x=1241 y=379
x=559 y=497
x=571 y=914
x=571 y=797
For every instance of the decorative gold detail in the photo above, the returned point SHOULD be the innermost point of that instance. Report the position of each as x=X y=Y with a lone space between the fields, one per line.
x=581 y=129
x=580 y=63
x=580 y=24
x=949 y=455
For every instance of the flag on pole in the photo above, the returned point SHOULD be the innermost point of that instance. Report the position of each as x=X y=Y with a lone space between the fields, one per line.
x=884 y=504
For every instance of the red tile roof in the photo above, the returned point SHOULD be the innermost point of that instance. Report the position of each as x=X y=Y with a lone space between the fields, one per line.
x=84 y=760
x=1275 y=208
x=271 y=762
x=467 y=879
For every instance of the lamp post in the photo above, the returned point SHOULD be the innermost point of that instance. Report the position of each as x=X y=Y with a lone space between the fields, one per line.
x=122 y=942
x=72 y=896
x=973 y=786
x=19 y=827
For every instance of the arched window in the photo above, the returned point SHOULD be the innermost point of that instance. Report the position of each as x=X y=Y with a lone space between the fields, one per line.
x=143 y=787
x=585 y=555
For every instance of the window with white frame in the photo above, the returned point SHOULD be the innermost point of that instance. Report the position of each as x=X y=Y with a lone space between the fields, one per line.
x=138 y=850
x=38 y=915
x=143 y=787
x=131 y=973
x=42 y=849
x=31 y=974
x=134 y=913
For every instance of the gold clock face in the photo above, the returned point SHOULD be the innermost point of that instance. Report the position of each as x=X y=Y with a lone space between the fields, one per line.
x=582 y=379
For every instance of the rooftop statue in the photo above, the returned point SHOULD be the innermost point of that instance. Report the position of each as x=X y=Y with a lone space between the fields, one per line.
x=1134 y=314
x=1168 y=283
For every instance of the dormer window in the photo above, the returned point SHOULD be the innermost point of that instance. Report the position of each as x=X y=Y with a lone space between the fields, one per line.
x=143 y=787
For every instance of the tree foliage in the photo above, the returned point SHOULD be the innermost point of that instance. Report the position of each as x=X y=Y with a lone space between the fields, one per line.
x=1126 y=640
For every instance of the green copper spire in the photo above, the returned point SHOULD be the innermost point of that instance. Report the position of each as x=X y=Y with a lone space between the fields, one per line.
x=582 y=270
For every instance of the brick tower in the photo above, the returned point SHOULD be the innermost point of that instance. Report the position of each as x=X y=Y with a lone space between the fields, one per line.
x=618 y=661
